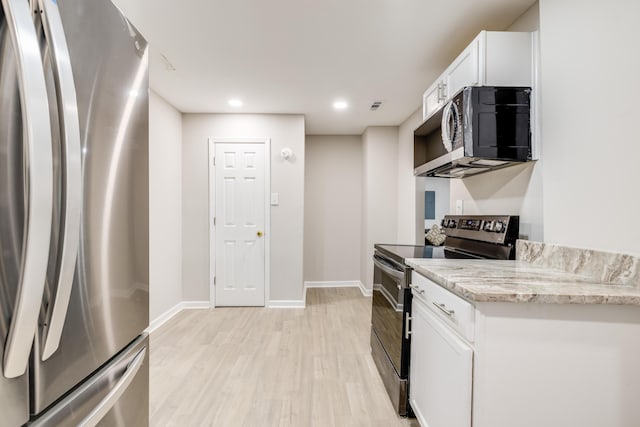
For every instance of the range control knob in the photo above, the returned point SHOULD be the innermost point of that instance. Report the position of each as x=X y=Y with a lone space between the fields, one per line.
x=444 y=222
x=488 y=225
x=500 y=227
x=452 y=223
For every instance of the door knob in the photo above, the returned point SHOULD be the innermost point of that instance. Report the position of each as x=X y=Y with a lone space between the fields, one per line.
x=259 y=233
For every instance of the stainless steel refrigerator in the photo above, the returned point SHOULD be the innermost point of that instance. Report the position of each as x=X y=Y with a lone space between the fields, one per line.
x=73 y=215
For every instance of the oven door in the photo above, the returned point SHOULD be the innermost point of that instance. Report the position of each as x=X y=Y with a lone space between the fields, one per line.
x=387 y=316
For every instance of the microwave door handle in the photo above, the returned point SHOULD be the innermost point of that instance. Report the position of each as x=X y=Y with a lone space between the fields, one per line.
x=445 y=128
x=72 y=176
x=39 y=186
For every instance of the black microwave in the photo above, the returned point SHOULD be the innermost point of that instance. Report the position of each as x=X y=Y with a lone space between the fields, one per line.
x=482 y=128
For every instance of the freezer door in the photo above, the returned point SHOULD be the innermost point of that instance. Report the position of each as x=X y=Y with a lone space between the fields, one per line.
x=116 y=396
x=109 y=300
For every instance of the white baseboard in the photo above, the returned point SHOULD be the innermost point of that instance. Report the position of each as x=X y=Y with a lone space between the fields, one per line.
x=196 y=305
x=169 y=314
x=333 y=284
x=365 y=291
x=287 y=304
x=164 y=318
x=339 y=284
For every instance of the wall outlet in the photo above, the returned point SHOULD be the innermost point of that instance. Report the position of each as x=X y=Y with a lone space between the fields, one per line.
x=459 y=207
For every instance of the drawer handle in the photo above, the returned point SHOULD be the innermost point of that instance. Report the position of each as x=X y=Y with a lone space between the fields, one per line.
x=417 y=289
x=443 y=308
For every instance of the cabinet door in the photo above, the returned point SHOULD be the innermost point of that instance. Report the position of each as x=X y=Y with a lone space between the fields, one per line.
x=465 y=70
x=441 y=369
x=432 y=99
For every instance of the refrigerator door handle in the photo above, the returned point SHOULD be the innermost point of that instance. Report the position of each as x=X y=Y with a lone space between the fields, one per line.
x=98 y=413
x=39 y=186
x=72 y=176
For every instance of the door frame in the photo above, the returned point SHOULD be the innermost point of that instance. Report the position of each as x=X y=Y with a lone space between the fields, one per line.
x=212 y=210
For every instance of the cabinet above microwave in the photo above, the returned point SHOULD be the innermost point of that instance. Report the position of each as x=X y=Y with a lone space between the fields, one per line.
x=493 y=58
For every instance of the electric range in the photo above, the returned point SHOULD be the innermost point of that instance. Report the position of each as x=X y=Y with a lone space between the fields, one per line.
x=467 y=237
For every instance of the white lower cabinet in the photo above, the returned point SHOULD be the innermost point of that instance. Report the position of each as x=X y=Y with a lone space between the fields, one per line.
x=500 y=364
x=441 y=374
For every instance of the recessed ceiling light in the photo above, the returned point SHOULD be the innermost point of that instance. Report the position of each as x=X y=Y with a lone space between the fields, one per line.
x=235 y=103
x=340 y=105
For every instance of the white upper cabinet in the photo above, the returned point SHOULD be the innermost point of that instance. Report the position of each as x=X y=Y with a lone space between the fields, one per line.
x=433 y=98
x=493 y=58
x=465 y=70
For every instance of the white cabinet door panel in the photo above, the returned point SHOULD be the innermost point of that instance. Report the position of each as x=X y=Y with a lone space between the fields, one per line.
x=440 y=386
x=465 y=70
x=432 y=100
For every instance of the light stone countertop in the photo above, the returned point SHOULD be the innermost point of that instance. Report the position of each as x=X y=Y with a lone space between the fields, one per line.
x=519 y=281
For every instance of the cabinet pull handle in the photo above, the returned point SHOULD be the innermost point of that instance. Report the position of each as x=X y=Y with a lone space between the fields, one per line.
x=443 y=308
x=441 y=92
x=417 y=289
x=407 y=325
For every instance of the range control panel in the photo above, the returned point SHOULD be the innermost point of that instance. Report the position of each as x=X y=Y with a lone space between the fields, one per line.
x=501 y=229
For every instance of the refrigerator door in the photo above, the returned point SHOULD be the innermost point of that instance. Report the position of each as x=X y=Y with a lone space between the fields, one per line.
x=115 y=396
x=14 y=393
x=25 y=202
x=109 y=301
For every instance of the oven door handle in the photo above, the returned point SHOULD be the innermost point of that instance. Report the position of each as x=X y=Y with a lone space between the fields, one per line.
x=397 y=274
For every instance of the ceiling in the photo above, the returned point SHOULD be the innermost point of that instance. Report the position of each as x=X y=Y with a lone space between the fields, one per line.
x=299 y=56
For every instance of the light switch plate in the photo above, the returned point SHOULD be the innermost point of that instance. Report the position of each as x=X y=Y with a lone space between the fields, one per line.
x=274 y=199
x=459 y=207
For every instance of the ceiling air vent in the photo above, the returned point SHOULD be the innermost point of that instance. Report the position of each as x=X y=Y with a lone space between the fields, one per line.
x=167 y=64
x=375 y=105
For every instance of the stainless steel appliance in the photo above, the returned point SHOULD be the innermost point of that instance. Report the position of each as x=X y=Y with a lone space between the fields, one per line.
x=485 y=237
x=480 y=129
x=73 y=215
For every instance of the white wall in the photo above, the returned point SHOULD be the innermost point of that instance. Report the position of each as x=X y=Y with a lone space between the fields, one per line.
x=379 y=194
x=441 y=186
x=515 y=190
x=410 y=207
x=590 y=77
x=528 y=21
x=333 y=208
x=287 y=179
x=165 y=206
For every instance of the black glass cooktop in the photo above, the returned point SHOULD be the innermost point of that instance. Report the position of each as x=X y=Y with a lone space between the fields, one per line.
x=408 y=251
x=401 y=252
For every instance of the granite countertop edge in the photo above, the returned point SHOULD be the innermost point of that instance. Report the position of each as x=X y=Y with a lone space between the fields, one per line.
x=536 y=285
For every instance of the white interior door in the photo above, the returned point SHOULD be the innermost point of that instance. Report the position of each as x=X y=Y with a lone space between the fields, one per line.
x=239 y=224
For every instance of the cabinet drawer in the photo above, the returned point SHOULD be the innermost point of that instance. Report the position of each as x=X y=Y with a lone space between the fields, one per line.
x=455 y=311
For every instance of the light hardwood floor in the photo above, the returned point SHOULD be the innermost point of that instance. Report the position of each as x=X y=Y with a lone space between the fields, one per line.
x=270 y=367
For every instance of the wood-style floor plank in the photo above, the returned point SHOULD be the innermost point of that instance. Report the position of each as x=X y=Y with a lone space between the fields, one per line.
x=270 y=367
